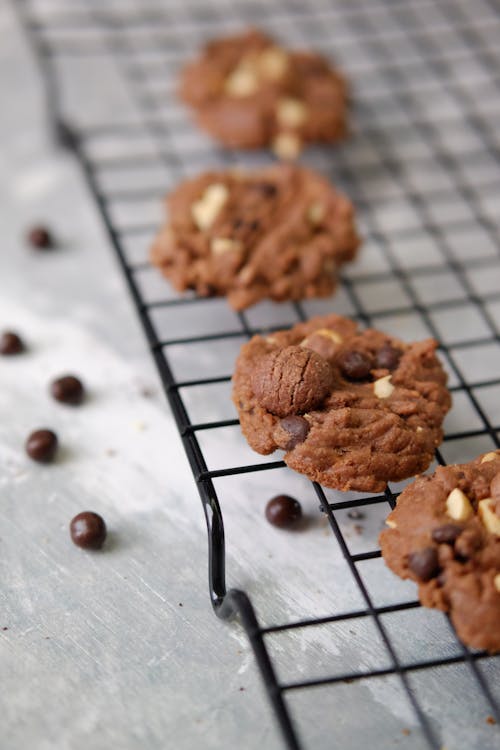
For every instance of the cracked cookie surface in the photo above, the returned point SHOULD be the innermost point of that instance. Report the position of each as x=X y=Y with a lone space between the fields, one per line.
x=278 y=233
x=353 y=409
x=445 y=535
x=248 y=92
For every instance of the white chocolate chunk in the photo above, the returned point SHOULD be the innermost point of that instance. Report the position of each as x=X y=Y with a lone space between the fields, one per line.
x=420 y=428
x=326 y=333
x=496 y=582
x=390 y=523
x=329 y=334
x=241 y=82
x=489 y=457
x=273 y=63
x=287 y=146
x=486 y=510
x=458 y=505
x=291 y=113
x=221 y=245
x=383 y=387
x=246 y=275
x=316 y=213
x=205 y=210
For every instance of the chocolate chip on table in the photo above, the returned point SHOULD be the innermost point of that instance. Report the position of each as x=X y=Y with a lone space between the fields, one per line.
x=10 y=343
x=88 y=530
x=446 y=534
x=424 y=563
x=355 y=365
x=68 y=390
x=40 y=238
x=283 y=511
x=41 y=446
x=387 y=358
x=298 y=429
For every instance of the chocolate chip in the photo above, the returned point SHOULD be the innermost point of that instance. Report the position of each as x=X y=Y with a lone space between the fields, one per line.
x=88 y=530
x=68 y=390
x=424 y=563
x=40 y=238
x=266 y=188
x=283 y=511
x=298 y=429
x=253 y=225
x=387 y=358
x=41 y=446
x=447 y=534
x=355 y=365
x=467 y=544
x=10 y=343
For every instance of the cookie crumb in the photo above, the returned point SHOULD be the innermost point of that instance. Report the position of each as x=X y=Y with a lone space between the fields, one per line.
x=490 y=720
x=355 y=515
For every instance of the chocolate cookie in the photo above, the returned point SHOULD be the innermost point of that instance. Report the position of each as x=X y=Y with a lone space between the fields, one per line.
x=445 y=534
x=249 y=92
x=352 y=409
x=278 y=233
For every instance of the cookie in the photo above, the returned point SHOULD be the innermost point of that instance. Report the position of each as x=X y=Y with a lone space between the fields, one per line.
x=352 y=409
x=279 y=233
x=445 y=535
x=249 y=92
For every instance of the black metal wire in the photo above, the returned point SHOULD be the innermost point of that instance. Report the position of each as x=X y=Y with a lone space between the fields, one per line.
x=107 y=34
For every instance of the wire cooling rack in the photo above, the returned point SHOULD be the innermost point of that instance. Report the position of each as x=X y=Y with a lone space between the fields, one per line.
x=422 y=167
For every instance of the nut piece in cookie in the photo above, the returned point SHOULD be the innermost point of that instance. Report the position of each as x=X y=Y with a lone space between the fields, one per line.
x=318 y=391
x=249 y=92
x=250 y=236
x=456 y=563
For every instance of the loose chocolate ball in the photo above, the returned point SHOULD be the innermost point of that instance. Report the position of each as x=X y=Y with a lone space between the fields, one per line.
x=10 y=343
x=41 y=446
x=355 y=365
x=388 y=357
x=68 y=390
x=424 y=563
x=88 y=530
x=297 y=428
x=283 y=511
x=39 y=237
x=447 y=534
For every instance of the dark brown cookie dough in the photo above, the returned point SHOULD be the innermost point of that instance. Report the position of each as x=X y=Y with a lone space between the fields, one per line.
x=445 y=534
x=277 y=233
x=352 y=409
x=249 y=92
